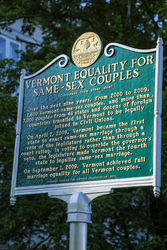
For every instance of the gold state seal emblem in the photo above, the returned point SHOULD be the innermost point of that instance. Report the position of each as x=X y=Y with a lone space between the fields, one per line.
x=86 y=49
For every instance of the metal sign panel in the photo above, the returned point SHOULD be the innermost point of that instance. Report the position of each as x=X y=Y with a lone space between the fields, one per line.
x=90 y=129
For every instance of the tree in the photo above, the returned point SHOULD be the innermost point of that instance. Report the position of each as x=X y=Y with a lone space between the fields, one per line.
x=126 y=219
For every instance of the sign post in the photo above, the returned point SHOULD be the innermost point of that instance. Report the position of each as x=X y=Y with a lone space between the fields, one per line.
x=89 y=127
x=79 y=215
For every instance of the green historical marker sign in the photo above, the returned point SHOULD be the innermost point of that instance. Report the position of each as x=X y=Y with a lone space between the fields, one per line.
x=92 y=126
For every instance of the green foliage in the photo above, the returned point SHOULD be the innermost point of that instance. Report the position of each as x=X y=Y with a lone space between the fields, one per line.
x=126 y=219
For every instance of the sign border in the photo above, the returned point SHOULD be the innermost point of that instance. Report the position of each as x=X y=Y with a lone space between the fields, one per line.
x=94 y=189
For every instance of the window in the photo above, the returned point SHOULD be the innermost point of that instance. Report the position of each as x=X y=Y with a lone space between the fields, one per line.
x=2 y=48
x=9 y=48
x=13 y=48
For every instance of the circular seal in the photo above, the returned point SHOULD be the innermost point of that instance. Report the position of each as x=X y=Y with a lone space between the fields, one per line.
x=86 y=49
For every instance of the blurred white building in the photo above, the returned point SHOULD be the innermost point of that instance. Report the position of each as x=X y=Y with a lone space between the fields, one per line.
x=15 y=40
